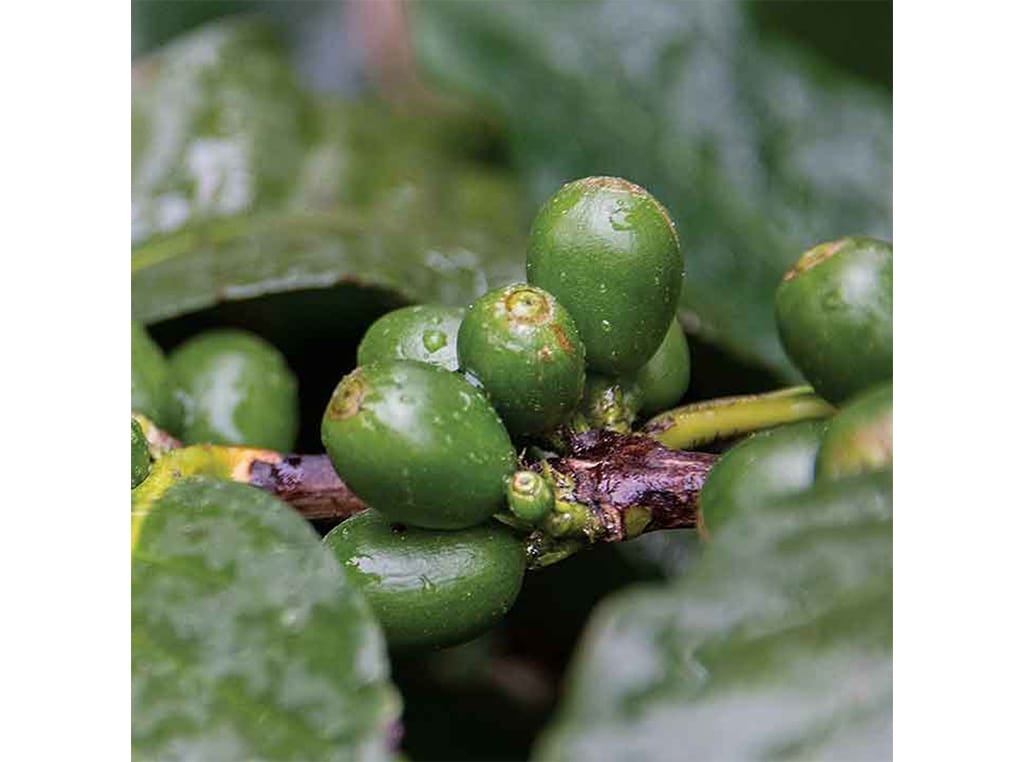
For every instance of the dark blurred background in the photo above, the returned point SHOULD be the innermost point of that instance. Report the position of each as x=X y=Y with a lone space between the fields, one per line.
x=299 y=167
x=855 y=35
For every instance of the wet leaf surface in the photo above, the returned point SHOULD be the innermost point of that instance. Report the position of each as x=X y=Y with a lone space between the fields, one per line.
x=244 y=185
x=248 y=642
x=777 y=645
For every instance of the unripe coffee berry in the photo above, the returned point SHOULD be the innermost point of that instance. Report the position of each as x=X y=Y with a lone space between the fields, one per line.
x=664 y=379
x=609 y=253
x=418 y=443
x=523 y=346
x=430 y=589
x=834 y=314
x=235 y=388
x=425 y=332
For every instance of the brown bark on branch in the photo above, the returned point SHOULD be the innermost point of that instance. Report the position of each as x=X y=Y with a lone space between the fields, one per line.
x=309 y=484
x=615 y=474
x=630 y=483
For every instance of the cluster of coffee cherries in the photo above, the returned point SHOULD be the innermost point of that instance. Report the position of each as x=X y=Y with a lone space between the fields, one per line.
x=429 y=428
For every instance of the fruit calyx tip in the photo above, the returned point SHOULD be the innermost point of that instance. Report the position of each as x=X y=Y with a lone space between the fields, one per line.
x=528 y=305
x=813 y=256
x=348 y=396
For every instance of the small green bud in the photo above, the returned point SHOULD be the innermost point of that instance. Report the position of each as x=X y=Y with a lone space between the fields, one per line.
x=608 y=403
x=529 y=496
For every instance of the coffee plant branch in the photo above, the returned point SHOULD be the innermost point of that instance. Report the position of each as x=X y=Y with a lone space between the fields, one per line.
x=609 y=486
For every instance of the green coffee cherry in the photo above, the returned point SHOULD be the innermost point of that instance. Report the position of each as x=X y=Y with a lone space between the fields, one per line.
x=609 y=253
x=859 y=437
x=530 y=497
x=608 y=403
x=521 y=344
x=430 y=589
x=140 y=455
x=152 y=386
x=834 y=314
x=664 y=379
x=419 y=443
x=762 y=467
x=236 y=389
x=426 y=332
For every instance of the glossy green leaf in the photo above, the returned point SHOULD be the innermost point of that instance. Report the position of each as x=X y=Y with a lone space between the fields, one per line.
x=248 y=642
x=244 y=185
x=777 y=645
x=756 y=153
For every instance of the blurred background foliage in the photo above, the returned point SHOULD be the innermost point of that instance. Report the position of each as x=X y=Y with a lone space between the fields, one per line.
x=764 y=127
x=301 y=166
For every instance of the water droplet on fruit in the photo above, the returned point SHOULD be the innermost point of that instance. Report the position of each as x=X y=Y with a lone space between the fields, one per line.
x=619 y=219
x=434 y=340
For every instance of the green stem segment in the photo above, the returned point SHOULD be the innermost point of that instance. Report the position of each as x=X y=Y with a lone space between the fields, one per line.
x=610 y=404
x=715 y=420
